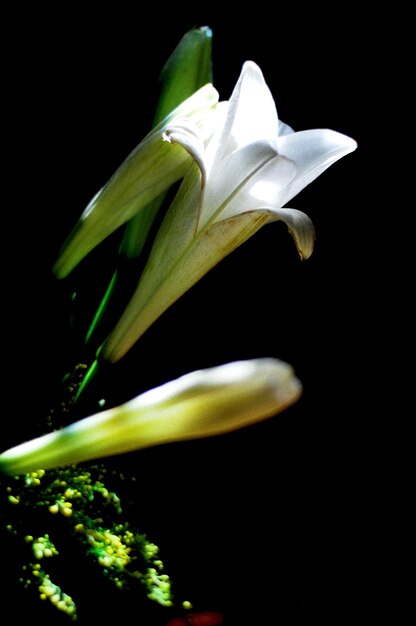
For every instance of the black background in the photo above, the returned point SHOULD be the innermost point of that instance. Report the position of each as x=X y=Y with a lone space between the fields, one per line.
x=274 y=524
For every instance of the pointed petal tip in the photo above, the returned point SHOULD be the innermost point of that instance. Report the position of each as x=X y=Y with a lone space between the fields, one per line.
x=304 y=248
x=251 y=70
x=302 y=230
x=348 y=142
x=251 y=66
x=305 y=254
x=344 y=144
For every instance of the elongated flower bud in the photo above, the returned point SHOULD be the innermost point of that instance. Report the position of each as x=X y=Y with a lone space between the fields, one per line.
x=200 y=404
x=188 y=68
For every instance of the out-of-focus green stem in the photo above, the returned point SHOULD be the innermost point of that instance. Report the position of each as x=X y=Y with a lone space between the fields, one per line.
x=103 y=305
x=91 y=373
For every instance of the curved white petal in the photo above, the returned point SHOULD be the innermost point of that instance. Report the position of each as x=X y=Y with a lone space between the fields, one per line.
x=233 y=173
x=266 y=186
x=252 y=114
x=313 y=151
x=189 y=139
x=299 y=225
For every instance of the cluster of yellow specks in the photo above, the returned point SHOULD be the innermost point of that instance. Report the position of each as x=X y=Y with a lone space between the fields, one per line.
x=127 y=556
x=61 y=506
x=93 y=513
x=159 y=586
x=150 y=551
x=34 y=478
x=61 y=490
x=111 y=550
x=48 y=590
x=42 y=546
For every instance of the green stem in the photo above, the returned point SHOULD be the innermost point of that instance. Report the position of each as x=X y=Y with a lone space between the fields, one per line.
x=102 y=307
x=91 y=373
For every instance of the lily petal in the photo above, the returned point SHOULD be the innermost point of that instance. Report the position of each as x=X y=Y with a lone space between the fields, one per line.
x=158 y=283
x=265 y=185
x=191 y=142
x=153 y=166
x=200 y=404
x=162 y=283
x=107 y=211
x=237 y=171
x=313 y=151
x=251 y=117
x=299 y=225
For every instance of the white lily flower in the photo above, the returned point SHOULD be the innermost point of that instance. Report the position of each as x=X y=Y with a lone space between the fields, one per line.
x=200 y=404
x=151 y=168
x=251 y=167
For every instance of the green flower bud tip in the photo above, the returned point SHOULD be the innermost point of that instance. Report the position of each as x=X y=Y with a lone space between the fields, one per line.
x=188 y=68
